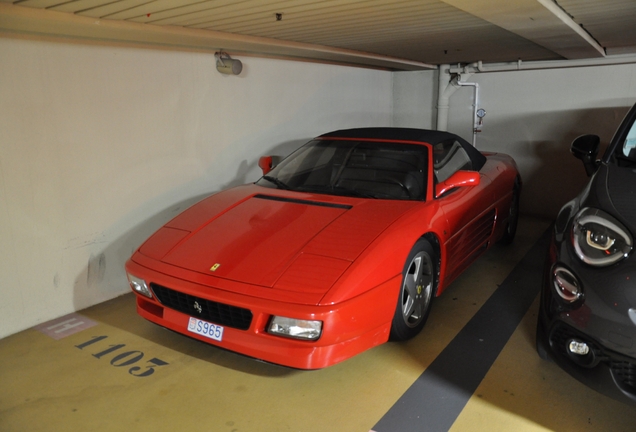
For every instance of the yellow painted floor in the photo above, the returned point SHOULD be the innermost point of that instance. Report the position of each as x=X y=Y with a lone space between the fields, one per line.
x=112 y=376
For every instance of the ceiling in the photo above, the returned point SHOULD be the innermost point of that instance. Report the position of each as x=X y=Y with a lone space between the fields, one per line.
x=392 y=34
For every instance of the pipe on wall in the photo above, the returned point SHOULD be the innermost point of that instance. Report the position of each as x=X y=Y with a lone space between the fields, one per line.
x=476 y=122
x=520 y=65
x=447 y=85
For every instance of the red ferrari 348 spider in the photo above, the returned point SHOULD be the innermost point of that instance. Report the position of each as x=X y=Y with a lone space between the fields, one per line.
x=340 y=247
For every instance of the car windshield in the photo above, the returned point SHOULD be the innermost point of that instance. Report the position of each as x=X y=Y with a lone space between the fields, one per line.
x=629 y=146
x=354 y=168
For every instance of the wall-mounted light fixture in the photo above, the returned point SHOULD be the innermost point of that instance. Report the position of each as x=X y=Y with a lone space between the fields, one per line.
x=227 y=65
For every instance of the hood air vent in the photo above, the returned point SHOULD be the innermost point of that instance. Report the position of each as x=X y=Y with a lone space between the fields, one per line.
x=301 y=201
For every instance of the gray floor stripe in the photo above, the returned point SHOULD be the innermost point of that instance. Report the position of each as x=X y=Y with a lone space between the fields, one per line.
x=438 y=396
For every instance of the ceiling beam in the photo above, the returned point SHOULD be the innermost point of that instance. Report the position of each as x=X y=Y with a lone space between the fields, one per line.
x=540 y=21
x=26 y=21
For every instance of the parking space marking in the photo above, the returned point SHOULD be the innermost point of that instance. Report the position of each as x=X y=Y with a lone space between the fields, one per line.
x=439 y=395
x=65 y=326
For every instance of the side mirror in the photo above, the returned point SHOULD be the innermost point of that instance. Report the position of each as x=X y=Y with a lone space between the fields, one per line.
x=459 y=179
x=266 y=164
x=586 y=148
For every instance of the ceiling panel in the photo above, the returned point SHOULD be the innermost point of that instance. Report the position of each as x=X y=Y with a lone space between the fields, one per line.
x=399 y=34
x=611 y=22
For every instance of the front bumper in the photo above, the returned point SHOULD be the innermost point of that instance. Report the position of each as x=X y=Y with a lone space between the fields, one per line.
x=601 y=320
x=349 y=328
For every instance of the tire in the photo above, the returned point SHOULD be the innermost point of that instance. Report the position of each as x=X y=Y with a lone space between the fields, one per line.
x=416 y=292
x=513 y=216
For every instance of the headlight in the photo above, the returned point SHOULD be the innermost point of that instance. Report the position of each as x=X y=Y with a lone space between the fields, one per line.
x=139 y=285
x=599 y=239
x=295 y=328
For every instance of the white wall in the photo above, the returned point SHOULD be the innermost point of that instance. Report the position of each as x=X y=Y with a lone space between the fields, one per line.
x=101 y=145
x=415 y=99
x=533 y=116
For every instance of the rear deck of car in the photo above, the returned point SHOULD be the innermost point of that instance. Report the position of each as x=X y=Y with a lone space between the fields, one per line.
x=472 y=368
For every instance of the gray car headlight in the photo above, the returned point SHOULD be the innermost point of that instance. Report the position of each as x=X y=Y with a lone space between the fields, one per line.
x=599 y=239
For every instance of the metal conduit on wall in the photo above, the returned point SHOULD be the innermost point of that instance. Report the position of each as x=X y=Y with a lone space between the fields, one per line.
x=449 y=84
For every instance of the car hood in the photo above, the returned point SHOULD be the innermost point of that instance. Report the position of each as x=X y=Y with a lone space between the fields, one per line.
x=613 y=189
x=621 y=188
x=271 y=238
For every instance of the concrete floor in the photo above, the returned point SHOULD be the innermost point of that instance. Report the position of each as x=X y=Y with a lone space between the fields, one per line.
x=123 y=373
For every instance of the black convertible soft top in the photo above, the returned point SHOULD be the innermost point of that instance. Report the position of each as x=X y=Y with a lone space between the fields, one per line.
x=432 y=137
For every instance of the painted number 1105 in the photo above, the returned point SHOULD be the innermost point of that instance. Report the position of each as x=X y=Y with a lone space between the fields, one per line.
x=127 y=358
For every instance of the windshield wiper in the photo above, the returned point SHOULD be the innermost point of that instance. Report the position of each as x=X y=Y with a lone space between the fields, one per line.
x=280 y=184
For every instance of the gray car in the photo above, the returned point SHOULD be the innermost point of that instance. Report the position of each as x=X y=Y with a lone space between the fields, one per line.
x=587 y=316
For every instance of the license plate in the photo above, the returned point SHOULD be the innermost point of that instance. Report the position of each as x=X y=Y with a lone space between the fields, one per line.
x=205 y=328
